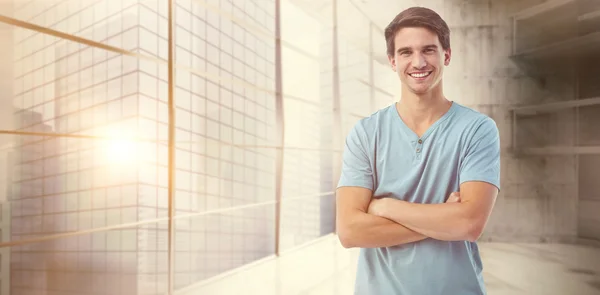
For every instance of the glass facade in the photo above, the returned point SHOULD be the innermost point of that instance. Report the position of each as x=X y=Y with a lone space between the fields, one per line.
x=85 y=136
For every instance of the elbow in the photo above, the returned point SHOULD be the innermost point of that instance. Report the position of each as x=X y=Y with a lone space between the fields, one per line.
x=473 y=236
x=346 y=237
x=473 y=230
x=346 y=243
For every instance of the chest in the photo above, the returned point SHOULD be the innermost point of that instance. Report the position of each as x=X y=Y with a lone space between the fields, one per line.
x=406 y=168
x=403 y=154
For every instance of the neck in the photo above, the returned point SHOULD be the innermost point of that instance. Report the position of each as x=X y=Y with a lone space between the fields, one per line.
x=422 y=109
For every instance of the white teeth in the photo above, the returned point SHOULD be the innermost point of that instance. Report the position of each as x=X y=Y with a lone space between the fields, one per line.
x=419 y=75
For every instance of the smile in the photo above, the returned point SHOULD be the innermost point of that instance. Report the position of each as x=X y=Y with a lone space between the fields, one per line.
x=420 y=75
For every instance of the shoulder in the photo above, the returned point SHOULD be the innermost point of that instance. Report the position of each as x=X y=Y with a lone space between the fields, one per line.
x=368 y=127
x=474 y=123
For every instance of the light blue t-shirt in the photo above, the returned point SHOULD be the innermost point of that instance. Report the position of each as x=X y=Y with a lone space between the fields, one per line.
x=383 y=154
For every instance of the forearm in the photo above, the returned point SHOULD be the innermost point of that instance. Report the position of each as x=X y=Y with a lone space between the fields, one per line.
x=446 y=221
x=370 y=231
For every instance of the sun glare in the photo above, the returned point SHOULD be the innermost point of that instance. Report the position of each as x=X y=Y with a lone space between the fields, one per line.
x=121 y=151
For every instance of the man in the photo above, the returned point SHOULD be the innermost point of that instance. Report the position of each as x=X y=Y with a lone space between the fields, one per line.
x=401 y=166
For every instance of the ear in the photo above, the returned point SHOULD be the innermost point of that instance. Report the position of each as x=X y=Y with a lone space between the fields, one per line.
x=392 y=61
x=447 y=55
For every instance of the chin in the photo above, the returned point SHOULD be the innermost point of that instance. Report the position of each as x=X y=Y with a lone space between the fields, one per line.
x=420 y=90
x=423 y=88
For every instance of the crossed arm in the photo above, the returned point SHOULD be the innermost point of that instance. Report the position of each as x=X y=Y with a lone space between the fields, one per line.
x=366 y=223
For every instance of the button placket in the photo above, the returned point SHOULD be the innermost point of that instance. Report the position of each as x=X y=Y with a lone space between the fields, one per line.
x=419 y=145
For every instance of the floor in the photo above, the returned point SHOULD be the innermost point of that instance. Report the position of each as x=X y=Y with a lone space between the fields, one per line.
x=325 y=268
x=541 y=269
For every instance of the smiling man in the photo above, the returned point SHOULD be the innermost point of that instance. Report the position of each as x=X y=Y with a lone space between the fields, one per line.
x=420 y=177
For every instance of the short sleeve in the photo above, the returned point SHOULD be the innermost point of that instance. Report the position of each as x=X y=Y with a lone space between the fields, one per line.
x=356 y=167
x=481 y=161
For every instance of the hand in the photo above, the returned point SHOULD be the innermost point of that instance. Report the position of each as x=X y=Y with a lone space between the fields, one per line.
x=377 y=207
x=454 y=198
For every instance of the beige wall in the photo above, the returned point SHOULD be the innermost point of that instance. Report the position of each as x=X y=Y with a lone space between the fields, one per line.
x=6 y=146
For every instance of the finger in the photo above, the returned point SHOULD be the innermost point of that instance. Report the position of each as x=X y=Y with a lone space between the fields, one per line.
x=454 y=197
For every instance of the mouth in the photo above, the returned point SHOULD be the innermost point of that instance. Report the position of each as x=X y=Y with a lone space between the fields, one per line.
x=420 y=75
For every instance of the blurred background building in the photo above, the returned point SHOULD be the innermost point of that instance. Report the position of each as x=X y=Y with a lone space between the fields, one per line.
x=264 y=93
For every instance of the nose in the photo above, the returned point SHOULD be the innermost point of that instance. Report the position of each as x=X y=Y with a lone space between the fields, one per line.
x=418 y=61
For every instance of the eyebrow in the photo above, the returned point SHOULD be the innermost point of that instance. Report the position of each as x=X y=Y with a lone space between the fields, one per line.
x=424 y=47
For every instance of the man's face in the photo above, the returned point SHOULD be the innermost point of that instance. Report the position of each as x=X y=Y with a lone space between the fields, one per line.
x=419 y=59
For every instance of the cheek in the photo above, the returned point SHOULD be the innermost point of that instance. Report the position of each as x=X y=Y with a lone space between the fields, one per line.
x=435 y=60
x=401 y=66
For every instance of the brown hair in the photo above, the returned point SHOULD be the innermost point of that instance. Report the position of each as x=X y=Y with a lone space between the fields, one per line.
x=417 y=17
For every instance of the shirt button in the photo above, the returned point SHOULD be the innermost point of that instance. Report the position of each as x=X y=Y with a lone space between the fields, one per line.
x=418 y=150
x=420 y=141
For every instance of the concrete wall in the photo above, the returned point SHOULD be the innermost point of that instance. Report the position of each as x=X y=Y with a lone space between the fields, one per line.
x=589 y=165
x=589 y=194
x=538 y=199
